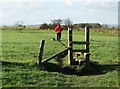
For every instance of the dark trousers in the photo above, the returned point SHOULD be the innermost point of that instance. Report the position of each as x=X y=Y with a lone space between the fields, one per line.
x=58 y=36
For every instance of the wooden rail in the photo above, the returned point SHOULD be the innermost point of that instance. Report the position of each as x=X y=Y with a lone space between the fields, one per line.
x=55 y=55
x=78 y=50
x=82 y=42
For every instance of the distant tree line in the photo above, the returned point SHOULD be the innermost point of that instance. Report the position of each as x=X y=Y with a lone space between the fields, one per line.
x=91 y=25
x=68 y=23
x=64 y=23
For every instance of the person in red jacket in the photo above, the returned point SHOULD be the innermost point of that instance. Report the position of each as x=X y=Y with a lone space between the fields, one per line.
x=58 y=31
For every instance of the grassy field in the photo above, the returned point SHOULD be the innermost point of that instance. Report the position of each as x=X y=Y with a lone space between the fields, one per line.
x=20 y=54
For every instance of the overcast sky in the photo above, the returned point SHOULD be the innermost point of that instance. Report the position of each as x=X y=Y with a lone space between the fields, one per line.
x=42 y=11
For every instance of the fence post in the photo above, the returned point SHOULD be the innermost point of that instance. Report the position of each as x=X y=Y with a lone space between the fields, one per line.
x=42 y=42
x=87 y=55
x=70 y=45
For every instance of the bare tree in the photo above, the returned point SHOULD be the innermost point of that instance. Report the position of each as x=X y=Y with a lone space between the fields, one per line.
x=20 y=25
x=104 y=25
x=68 y=22
x=56 y=21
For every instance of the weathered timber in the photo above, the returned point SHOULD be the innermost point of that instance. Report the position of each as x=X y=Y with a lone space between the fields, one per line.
x=87 y=54
x=78 y=50
x=70 y=45
x=87 y=57
x=84 y=42
x=53 y=56
x=87 y=38
x=41 y=51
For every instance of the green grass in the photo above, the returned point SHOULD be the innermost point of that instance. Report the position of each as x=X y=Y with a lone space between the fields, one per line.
x=20 y=54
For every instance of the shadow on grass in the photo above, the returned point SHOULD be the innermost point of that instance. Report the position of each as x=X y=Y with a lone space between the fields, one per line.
x=93 y=69
x=12 y=63
x=18 y=64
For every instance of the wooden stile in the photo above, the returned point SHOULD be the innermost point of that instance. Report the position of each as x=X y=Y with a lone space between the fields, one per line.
x=70 y=49
x=85 y=51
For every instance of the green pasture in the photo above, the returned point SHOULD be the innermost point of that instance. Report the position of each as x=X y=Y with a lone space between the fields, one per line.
x=20 y=54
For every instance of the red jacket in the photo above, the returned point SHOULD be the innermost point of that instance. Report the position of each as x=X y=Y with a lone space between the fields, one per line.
x=58 y=29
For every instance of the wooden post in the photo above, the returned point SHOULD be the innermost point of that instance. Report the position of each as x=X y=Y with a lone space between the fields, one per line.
x=42 y=42
x=87 y=55
x=70 y=46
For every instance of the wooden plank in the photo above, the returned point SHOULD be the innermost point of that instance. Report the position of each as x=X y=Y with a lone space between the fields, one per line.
x=82 y=42
x=78 y=50
x=55 y=55
x=41 y=51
